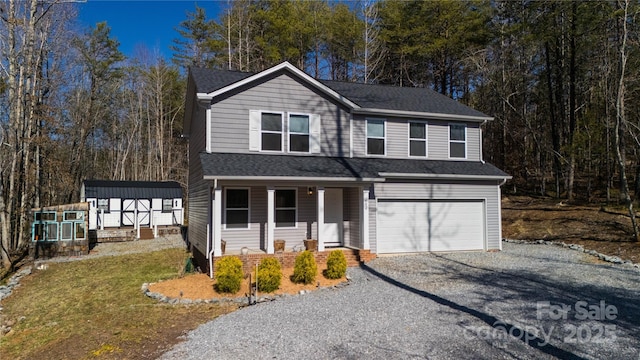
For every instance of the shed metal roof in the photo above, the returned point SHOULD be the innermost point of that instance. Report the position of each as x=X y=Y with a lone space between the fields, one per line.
x=132 y=189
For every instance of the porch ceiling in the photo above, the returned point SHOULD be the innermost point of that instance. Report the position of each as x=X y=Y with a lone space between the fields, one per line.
x=228 y=166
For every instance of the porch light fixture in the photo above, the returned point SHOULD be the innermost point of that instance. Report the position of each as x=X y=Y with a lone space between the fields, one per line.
x=310 y=190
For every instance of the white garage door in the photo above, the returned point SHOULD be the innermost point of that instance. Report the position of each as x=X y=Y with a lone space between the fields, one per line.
x=413 y=226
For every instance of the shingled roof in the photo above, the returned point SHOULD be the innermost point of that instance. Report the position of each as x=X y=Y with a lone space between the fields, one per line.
x=132 y=189
x=237 y=165
x=366 y=96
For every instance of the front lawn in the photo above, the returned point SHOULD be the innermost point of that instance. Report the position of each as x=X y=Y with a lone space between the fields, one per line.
x=95 y=309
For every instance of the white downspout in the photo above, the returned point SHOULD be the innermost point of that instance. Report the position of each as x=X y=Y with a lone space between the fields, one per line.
x=210 y=238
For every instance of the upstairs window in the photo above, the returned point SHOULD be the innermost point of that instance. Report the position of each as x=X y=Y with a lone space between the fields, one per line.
x=375 y=137
x=417 y=139
x=237 y=208
x=458 y=141
x=298 y=133
x=285 y=202
x=271 y=131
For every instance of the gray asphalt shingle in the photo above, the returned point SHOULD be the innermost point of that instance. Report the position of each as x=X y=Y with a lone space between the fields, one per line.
x=239 y=165
x=367 y=96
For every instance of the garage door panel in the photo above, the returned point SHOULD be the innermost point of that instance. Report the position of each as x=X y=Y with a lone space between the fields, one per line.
x=413 y=226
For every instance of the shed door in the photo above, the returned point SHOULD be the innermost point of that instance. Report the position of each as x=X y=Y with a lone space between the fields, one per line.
x=415 y=226
x=128 y=212
x=144 y=209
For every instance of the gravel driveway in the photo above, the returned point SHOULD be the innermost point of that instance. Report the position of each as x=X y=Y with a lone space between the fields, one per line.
x=526 y=302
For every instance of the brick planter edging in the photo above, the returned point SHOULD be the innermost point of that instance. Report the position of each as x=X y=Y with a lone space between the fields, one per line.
x=288 y=259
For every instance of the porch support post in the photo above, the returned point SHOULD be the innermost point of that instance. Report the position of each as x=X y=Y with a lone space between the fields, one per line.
x=217 y=222
x=365 y=219
x=320 y=218
x=271 y=223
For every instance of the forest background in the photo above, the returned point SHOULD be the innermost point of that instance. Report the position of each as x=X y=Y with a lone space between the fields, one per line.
x=561 y=79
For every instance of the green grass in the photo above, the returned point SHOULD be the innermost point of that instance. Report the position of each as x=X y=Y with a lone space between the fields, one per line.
x=95 y=308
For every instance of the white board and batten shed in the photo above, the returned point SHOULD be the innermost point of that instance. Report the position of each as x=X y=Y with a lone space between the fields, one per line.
x=118 y=204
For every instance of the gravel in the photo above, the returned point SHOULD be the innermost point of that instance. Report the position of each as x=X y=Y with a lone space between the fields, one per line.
x=480 y=305
x=124 y=248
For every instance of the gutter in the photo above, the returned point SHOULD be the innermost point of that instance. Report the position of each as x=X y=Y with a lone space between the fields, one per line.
x=437 y=116
x=291 y=178
x=444 y=176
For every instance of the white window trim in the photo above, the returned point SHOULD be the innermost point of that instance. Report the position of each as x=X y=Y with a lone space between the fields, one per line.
x=466 y=147
x=162 y=206
x=224 y=212
x=275 y=209
x=289 y=133
x=425 y=140
x=108 y=210
x=366 y=141
x=281 y=132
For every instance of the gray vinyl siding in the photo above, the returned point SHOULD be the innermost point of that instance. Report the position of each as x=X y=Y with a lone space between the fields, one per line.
x=486 y=191
x=199 y=194
x=373 y=211
x=230 y=116
x=397 y=139
x=255 y=237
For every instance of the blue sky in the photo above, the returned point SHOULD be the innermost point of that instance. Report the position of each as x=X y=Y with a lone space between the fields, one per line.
x=149 y=23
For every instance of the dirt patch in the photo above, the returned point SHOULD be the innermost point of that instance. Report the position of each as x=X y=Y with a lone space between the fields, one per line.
x=606 y=230
x=200 y=286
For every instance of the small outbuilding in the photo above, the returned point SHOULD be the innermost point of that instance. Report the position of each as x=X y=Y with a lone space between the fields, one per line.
x=135 y=204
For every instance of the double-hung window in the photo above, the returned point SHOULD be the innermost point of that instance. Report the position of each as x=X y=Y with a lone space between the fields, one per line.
x=298 y=133
x=457 y=141
x=237 y=208
x=271 y=131
x=285 y=202
x=375 y=137
x=418 y=139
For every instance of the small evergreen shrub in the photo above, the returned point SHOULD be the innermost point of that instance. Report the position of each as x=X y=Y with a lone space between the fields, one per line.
x=305 y=268
x=228 y=274
x=336 y=265
x=269 y=275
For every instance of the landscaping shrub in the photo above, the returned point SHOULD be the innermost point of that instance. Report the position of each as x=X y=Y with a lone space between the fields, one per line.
x=336 y=265
x=269 y=275
x=305 y=268
x=228 y=274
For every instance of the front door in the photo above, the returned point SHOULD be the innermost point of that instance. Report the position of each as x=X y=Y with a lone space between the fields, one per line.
x=332 y=231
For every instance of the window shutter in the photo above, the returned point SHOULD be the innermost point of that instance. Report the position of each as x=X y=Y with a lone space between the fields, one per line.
x=254 y=130
x=314 y=134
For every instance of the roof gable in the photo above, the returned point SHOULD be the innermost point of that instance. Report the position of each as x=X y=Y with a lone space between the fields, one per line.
x=369 y=99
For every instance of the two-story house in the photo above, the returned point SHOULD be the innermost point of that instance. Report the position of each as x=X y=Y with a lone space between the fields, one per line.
x=280 y=155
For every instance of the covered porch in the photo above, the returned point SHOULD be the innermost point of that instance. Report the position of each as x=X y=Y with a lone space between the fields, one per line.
x=254 y=218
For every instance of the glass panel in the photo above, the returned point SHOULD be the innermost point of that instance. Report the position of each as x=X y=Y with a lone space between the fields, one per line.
x=167 y=205
x=417 y=148
x=66 y=231
x=271 y=141
x=103 y=204
x=456 y=132
x=299 y=124
x=52 y=231
x=299 y=143
x=237 y=219
x=38 y=232
x=375 y=146
x=457 y=150
x=45 y=216
x=285 y=218
x=417 y=131
x=285 y=198
x=80 y=231
x=238 y=198
x=375 y=128
x=271 y=122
